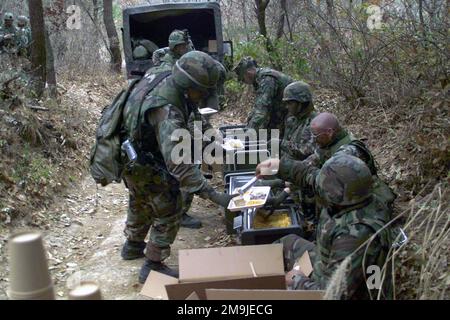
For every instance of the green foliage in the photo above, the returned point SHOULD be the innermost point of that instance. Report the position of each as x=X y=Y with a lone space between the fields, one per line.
x=233 y=87
x=290 y=56
x=32 y=167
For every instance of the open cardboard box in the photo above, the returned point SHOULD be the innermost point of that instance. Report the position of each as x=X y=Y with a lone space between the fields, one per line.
x=230 y=273
x=262 y=294
x=242 y=267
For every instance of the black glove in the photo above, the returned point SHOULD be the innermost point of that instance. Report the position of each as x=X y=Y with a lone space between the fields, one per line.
x=277 y=200
x=220 y=198
x=274 y=183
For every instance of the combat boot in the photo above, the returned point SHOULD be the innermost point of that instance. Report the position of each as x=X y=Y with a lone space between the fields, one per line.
x=190 y=222
x=160 y=267
x=133 y=250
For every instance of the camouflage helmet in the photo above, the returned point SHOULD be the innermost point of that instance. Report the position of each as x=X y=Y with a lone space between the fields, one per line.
x=243 y=65
x=297 y=91
x=141 y=53
x=196 y=69
x=178 y=37
x=22 y=20
x=8 y=16
x=344 y=180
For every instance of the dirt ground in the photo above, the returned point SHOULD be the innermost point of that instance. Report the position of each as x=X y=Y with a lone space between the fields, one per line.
x=84 y=236
x=84 y=242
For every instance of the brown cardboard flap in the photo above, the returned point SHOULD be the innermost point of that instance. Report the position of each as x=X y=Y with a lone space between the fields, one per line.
x=154 y=286
x=182 y=290
x=212 y=46
x=193 y=296
x=233 y=294
x=230 y=262
x=304 y=264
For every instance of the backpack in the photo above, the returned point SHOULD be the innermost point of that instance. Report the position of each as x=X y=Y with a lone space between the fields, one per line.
x=106 y=163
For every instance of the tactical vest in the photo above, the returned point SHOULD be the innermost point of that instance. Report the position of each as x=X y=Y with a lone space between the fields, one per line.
x=282 y=80
x=136 y=128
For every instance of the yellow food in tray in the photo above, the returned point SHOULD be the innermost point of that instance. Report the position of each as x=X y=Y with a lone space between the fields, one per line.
x=276 y=220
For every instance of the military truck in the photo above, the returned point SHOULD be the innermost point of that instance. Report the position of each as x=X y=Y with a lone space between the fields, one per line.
x=152 y=24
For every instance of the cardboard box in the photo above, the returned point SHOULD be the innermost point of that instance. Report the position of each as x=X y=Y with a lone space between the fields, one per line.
x=182 y=290
x=244 y=267
x=233 y=294
x=193 y=296
x=212 y=46
x=231 y=262
x=304 y=264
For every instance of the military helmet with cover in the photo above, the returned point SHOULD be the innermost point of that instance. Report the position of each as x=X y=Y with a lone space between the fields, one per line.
x=297 y=91
x=197 y=70
x=22 y=20
x=8 y=16
x=178 y=37
x=344 y=180
x=141 y=53
x=243 y=65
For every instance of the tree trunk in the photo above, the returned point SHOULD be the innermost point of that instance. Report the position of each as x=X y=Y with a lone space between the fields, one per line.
x=38 y=51
x=50 y=68
x=282 y=18
x=114 y=45
x=261 y=6
x=244 y=18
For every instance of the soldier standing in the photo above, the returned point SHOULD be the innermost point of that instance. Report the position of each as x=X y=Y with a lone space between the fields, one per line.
x=352 y=224
x=156 y=182
x=24 y=34
x=8 y=34
x=268 y=111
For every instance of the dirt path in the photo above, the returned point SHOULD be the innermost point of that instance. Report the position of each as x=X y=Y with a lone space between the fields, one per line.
x=85 y=236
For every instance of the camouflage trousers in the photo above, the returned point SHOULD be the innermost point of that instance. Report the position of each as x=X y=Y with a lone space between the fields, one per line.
x=294 y=247
x=187 y=201
x=154 y=203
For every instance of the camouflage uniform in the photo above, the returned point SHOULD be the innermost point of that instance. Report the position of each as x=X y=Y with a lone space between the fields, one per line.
x=269 y=85
x=297 y=141
x=177 y=37
x=352 y=215
x=345 y=143
x=298 y=144
x=9 y=39
x=155 y=183
x=24 y=35
x=158 y=55
x=168 y=61
x=268 y=112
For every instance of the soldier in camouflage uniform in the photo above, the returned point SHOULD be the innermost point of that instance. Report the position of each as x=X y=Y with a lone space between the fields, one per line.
x=156 y=182
x=349 y=217
x=332 y=140
x=24 y=33
x=268 y=112
x=297 y=141
x=8 y=35
x=179 y=44
x=158 y=55
x=298 y=144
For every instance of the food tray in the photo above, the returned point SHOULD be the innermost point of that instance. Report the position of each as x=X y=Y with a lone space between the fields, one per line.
x=207 y=111
x=247 y=201
x=244 y=224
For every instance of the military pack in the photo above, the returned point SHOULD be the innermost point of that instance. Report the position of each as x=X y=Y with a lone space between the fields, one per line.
x=106 y=161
